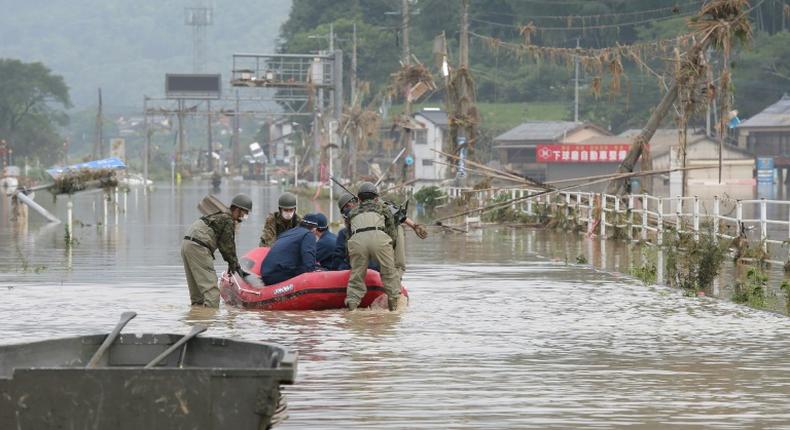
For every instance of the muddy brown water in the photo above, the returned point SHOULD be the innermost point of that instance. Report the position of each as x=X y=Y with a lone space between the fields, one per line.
x=499 y=332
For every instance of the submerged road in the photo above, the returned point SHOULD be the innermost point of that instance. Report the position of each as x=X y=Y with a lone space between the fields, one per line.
x=496 y=335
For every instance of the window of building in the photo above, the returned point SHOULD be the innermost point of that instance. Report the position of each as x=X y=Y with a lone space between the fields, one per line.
x=427 y=162
x=421 y=137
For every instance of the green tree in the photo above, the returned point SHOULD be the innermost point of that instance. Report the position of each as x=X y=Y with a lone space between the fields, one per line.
x=762 y=74
x=30 y=101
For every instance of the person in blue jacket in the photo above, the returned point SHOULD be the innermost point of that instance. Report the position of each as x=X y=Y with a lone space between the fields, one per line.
x=325 y=246
x=292 y=254
x=340 y=255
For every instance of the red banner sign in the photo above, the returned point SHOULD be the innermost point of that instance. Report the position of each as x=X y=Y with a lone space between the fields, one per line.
x=565 y=153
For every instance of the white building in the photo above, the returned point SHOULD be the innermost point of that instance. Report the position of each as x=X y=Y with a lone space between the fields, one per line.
x=701 y=150
x=427 y=139
x=280 y=147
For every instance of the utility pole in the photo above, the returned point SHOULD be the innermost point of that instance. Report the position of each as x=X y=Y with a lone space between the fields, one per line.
x=236 y=125
x=146 y=148
x=98 y=147
x=180 y=149
x=331 y=37
x=352 y=149
x=576 y=86
x=464 y=96
x=409 y=170
x=210 y=160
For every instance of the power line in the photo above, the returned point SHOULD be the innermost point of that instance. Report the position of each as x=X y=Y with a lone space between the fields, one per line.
x=588 y=27
x=599 y=16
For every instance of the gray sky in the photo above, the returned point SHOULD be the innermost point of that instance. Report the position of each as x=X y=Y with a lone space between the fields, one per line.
x=126 y=47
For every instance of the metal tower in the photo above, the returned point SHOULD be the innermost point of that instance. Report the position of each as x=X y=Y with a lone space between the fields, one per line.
x=199 y=18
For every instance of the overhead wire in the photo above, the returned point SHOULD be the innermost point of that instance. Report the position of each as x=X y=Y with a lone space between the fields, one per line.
x=602 y=15
x=587 y=27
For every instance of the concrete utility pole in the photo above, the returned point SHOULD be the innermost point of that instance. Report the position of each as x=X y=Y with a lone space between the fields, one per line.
x=352 y=148
x=210 y=160
x=464 y=42
x=465 y=94
x=98 y=147
x=236 y=125
x=576 y=87
x=409 y=170
x=147 y=146
x=180 y=149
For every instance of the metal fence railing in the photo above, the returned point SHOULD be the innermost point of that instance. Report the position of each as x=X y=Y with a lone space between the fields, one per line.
x=645 y=217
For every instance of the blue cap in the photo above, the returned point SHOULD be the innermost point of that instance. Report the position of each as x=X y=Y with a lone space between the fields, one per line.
x=320 y=218
x=310 y=220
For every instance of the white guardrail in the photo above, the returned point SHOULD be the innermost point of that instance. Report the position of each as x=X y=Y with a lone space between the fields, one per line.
x=646 y=217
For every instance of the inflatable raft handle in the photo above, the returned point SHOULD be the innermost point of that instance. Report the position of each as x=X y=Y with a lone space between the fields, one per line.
x=232 y=277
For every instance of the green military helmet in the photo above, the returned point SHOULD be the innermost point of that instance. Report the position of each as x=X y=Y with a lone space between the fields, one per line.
x=367 y=190
x=344 y=199
x=287 y=201
x=242 y=201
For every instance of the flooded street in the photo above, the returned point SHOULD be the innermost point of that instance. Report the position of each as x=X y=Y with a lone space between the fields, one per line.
x=497 y=334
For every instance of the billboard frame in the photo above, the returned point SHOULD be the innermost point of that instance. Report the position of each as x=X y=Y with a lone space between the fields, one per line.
x=196 y=94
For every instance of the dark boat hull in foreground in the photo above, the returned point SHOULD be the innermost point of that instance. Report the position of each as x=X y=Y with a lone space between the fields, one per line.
x=211 y=383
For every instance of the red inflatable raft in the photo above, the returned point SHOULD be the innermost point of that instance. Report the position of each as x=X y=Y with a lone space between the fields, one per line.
x=308 y=291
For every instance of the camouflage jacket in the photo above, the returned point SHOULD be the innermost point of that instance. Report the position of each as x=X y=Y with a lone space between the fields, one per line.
x=390 y=226
x=275 y=224
x=225 y=231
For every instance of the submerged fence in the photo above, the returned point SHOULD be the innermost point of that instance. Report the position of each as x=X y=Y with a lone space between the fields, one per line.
x=644 y=217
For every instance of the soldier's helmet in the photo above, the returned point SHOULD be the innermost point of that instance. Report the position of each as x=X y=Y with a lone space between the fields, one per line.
x=287 y=201
x=242 y=201
x=367 y=191
x=343 y=200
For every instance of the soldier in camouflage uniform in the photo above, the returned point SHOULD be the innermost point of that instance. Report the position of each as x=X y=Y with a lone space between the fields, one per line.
x=204 y=236
x=373 y=234
x=400 y=243
x=277 y=222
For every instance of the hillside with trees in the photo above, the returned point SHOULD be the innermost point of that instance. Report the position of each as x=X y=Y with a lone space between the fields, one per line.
x=513 y=81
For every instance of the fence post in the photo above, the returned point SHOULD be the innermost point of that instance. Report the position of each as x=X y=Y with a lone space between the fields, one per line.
x=590 y=210
x=678 y=213
x=567 y=205
x=764 y=223
x=630 y=212
x=513 y=197
x=69 y=219
x=739 y=218
x=603 y=216
x=644 y=216
x=660 y=224
x=696 y=218
x=716 y=211
x=529 y=203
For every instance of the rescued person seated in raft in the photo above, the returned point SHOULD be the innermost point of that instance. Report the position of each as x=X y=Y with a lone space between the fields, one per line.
x=325 y=246
x=292 y=254
x=340 y=260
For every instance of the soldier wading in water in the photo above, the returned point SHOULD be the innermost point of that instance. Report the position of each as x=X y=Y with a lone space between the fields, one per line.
x=372 y=235
x=206 y=235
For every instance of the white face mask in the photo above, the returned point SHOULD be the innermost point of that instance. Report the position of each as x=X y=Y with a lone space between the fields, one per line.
x=244 y=217
x=287 y=215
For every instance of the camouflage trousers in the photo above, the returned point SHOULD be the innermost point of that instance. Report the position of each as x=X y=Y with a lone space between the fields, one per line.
x=366 y=246
x=201 y=277
x=400 y=253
